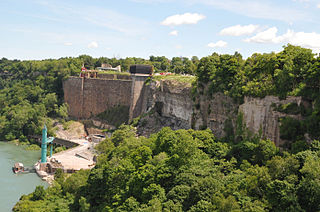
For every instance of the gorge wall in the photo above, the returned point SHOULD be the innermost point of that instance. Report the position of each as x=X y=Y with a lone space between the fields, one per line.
x=170 y=103
x=173 y=106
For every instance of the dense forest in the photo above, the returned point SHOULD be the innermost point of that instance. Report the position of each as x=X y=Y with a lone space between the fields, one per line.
x=184 y=170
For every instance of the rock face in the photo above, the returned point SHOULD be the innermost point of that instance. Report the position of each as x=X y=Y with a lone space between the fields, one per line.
x=175 y=101
x=168 y=104
x=171 y=104
x=214 y=112
x=259 y=114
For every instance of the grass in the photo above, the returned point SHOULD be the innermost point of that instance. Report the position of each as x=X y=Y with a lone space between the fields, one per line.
x=32 y=147
x=290 y=108
x=114 y=72
x=188 y=79
x=66 y=125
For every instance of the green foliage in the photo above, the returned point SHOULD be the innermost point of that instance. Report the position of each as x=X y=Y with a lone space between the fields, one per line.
x=183 y=170
x=38 y=194
x=66 y=125
x=292 y=72
x=115 y=116
x=291 y=108
x=186 y=170
x=291 y=129
x=33 y=147
x=186 y=79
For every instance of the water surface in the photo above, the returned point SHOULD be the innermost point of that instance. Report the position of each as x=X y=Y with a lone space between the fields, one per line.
x=12 y=186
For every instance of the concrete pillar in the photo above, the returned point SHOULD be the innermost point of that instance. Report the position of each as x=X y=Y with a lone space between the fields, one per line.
x=138 y=81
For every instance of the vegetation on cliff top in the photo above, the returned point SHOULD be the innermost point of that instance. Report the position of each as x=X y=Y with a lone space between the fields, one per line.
x=295 y=71
x=189 y=80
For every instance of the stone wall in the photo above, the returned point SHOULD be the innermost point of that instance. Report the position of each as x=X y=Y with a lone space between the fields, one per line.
x=89 y=97
x=114 y=76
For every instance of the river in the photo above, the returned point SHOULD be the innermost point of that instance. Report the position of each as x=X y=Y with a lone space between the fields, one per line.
x=12 y=186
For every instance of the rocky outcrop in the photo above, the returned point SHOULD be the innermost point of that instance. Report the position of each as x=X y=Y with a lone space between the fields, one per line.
x=168 y=103
x=260 y=115
x=214 y=112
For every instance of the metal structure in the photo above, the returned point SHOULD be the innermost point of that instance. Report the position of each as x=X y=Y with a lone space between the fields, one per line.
x=44 y=143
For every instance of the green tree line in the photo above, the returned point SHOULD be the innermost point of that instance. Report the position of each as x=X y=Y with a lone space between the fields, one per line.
x=186 y=170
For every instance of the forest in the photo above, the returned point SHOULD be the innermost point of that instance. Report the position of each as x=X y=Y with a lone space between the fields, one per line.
x=184 y=170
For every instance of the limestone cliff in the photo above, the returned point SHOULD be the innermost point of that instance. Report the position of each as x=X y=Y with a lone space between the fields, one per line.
x=171 y=104
x=168 y=103
x=260 y=114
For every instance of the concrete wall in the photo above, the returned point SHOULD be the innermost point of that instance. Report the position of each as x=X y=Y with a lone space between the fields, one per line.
x=138 y=91
x=89 y=97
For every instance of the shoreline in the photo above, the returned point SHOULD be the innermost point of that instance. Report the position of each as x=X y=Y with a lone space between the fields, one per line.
x=70 y=160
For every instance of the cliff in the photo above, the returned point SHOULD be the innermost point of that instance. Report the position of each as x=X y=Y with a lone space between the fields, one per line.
x=170 y=103
x=261 y=114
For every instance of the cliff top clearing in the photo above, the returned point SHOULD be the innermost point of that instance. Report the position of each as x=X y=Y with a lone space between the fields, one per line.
x=114 y=72
x=186 y=79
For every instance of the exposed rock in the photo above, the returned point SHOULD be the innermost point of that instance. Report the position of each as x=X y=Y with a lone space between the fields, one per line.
x=169 y=104
x=259 y=115
x=215 y=111
x=75 y=130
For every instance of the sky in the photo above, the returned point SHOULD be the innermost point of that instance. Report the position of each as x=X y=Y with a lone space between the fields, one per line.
x=42 y=29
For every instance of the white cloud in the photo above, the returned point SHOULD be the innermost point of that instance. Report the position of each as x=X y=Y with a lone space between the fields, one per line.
x=178 y=47
x=186 y=18
x=174 y=32
x=267 y=36
x=309 y=40
x=93 y=45
x=220 y=44
x=239 y=30
x=318 y=5
x=304 y=39
x=67 y=44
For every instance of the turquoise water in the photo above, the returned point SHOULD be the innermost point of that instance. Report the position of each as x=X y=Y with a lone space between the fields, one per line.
x=12 y=186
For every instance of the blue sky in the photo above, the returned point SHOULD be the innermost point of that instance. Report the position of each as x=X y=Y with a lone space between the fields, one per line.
x=40 y=29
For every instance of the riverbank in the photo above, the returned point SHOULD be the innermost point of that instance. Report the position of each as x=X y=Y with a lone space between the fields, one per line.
x=70 y=160
x=13 y=186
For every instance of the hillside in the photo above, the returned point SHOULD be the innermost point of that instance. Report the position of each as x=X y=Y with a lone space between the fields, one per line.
x=232 y=166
